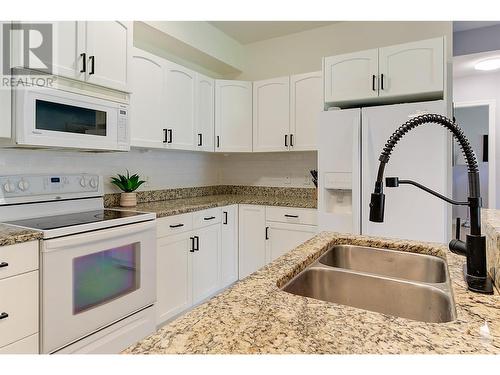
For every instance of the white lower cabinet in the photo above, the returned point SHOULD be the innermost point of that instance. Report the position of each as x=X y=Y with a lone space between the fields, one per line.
x=282 y=237
x=206 y=262
x=252 y=239
x=229 y=248
x=190 y=259
x=19 y=295
x=174 y=270
x=203 y=252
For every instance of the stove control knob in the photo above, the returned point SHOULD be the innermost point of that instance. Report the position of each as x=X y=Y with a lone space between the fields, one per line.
x=93 y=183
x=8 y=187
x=83 y=183
x=23 y=185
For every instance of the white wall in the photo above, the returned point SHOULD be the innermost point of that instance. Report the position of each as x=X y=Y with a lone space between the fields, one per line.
x=287 y=169
x=302 y=52
x=162 y=169
x=482 y=87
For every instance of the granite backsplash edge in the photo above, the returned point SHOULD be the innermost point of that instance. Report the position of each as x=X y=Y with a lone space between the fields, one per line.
x=113 y=199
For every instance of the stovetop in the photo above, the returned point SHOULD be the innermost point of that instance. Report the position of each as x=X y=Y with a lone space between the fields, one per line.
x=72 y=219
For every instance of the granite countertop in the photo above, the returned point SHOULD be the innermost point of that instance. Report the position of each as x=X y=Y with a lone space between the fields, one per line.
x=255 y=316
x=179 y=206
x=10 y=235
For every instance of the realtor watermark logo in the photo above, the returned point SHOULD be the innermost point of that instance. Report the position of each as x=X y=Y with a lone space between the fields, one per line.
x=27 y=54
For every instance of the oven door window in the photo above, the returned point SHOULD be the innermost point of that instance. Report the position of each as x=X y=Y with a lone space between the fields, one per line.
x=69 y=119
x=101 y=277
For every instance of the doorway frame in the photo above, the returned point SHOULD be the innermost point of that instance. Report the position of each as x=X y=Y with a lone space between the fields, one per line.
x=491 y=104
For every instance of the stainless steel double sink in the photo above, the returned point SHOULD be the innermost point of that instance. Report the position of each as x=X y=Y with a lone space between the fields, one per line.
x=407 y=285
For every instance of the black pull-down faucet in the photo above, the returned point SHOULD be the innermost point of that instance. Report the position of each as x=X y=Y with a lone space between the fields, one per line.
x=474 y=247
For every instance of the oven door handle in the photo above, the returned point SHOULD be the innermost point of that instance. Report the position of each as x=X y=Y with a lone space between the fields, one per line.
x=94 y=237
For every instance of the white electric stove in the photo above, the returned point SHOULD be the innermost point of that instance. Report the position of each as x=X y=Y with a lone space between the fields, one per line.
x=97 y=265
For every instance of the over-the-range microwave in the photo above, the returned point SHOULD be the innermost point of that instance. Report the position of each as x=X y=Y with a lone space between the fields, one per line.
x=46 y=117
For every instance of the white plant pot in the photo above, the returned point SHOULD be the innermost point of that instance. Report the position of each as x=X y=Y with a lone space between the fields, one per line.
x=128 y=199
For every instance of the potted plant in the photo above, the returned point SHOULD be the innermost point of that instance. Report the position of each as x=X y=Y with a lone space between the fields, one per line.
x=128 y=185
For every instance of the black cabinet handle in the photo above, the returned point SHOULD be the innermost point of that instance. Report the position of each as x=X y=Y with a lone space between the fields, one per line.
x=176 y=225
x=84 y=62
x=92 y=64
x=225 y=217
x=291 y=140
x=3 y=264
x=192 y=245
x=200 y=139
x=286 y=140
x=197 y=242
x=165 y=138
x=382 y=81
x=374 y=77
x=209 y=218
x=170 y=135
x=294 y=216
x=267 y=233
x=4 y=315
x=218 y=143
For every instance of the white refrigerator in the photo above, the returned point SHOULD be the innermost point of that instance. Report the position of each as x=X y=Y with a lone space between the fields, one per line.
x=350 y=143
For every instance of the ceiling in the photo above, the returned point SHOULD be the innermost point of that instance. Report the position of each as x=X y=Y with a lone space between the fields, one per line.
x=246 y=32
x=470 y=25
x=464 y=65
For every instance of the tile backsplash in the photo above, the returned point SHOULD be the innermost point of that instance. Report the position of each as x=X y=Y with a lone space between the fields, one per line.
x=169 y=169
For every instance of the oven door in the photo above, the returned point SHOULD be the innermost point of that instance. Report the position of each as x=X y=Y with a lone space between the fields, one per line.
x=93 y=279
x=55 y=118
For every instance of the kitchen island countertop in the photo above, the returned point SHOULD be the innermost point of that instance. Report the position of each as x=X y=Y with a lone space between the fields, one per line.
x=256 y=316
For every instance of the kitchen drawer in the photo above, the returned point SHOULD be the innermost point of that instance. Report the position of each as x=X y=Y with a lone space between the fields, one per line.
x=18 y=258
x=18 y=299
x=292 y=215
x=27 y=345
x=207 y=217
x=167 y=226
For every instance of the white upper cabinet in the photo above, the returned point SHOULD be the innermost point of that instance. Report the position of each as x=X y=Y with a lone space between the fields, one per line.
x=5 y=99
x=205 y=91
x=147 y=100
x=108 y=49
x=96 y=52
x=306 y=102
x=68 y=37
x=271 y=114
x=233 y=116
x=179 y=108
x=412 y=68
x=411 y=71
x=351 y=77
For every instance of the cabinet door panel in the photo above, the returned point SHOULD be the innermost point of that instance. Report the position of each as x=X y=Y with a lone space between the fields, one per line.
x=252 y=243
x=349 y=77
x=306 y=102
x=174 y=286
x=146 y=100
x=229 y=251
x=271 y=114
x=180 y=106
x=233 y=116
x=285 y=237
x=205 y=92
x=109 y=45
x=412 y=68
x=206 y=260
